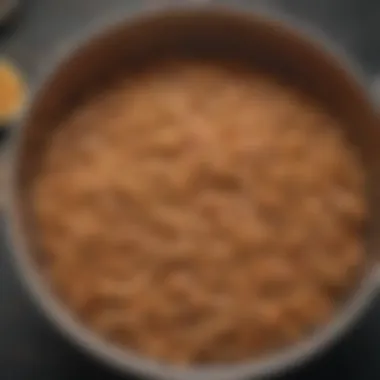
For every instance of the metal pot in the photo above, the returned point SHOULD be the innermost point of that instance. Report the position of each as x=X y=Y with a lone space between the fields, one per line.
x=202 y=30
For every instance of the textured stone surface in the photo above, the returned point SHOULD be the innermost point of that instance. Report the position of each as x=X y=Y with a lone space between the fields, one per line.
x=29 y=349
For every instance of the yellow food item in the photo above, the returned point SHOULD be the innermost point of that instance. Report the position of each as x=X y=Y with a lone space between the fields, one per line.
x=12 y=91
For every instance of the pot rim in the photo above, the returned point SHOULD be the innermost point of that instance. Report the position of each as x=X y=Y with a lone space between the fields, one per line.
x=128 y=362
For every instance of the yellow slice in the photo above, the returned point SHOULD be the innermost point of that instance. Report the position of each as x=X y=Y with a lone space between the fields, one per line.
x=12 y=91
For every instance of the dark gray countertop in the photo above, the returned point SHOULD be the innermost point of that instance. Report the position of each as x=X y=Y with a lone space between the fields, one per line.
x=29 y=349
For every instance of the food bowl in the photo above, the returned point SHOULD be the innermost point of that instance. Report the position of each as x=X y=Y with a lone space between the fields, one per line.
x=204 y=31
x=14 y=87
